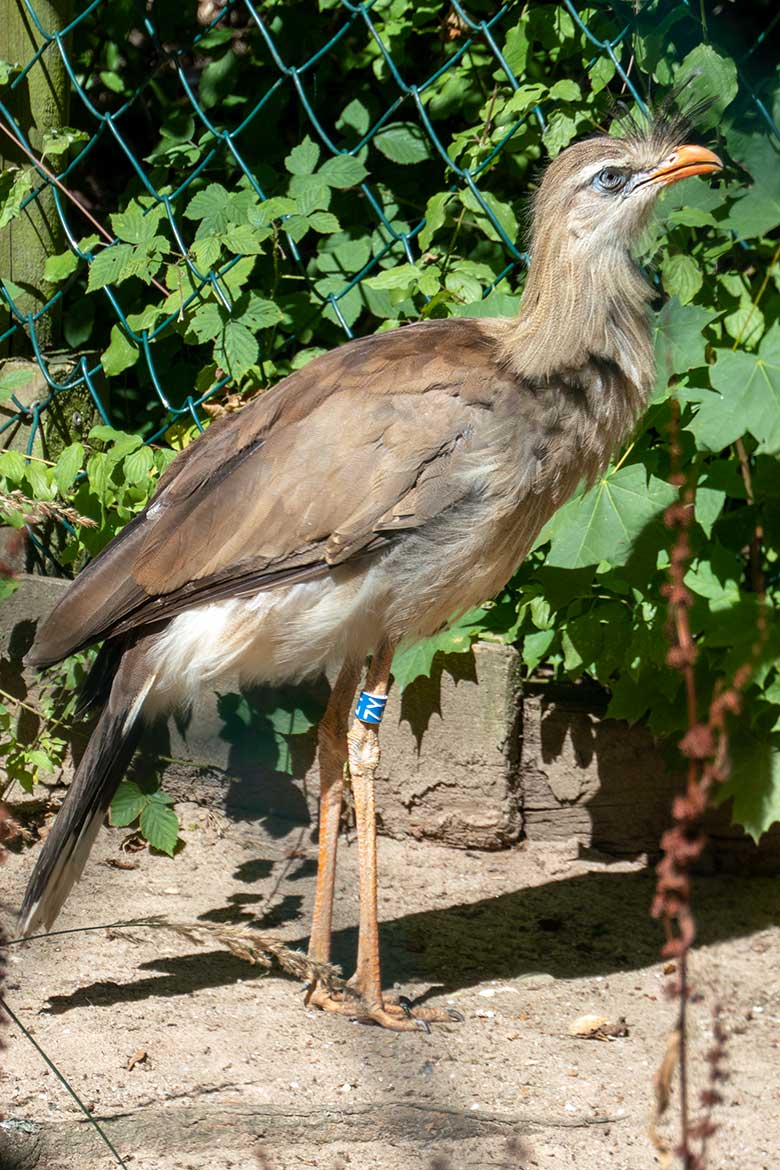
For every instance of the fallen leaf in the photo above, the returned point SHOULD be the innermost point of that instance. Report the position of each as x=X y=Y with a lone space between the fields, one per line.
x=597 y=1028
x=662 y=1083
x=137 y=1058
x=133 y=843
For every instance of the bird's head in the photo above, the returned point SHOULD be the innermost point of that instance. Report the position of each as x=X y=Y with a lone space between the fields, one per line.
x=600 y=192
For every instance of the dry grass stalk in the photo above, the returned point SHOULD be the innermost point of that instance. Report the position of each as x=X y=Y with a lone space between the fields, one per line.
x=39 y=511
x=261 y=950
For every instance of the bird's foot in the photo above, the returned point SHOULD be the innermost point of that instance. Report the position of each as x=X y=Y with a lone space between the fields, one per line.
x=395 y=1013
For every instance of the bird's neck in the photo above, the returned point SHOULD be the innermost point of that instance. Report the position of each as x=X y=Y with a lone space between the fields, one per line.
x=577 y=305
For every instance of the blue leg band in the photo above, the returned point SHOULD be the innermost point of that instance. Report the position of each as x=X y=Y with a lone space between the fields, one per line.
x=370 y=708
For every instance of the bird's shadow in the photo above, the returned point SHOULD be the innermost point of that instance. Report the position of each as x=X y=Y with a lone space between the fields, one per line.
x=591 y=924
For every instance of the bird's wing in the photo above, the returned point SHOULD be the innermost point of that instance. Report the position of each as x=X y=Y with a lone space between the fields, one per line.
x=330 y=464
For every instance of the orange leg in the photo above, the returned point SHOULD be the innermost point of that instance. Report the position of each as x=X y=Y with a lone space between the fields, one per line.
x=364 y=999
x=332 y=756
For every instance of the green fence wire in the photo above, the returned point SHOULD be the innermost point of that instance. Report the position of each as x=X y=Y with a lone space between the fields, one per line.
x=109 y=145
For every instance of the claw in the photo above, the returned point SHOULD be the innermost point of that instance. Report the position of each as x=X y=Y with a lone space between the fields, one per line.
x=423 y=1025
x=456 y=1015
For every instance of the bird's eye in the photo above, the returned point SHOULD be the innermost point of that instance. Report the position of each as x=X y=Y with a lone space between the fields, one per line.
x=610 y=179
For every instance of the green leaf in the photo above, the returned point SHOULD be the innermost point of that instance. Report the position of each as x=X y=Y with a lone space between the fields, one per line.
x=602 y=73
x=292 y=719
x=679 y=345
x=8 y=72
x=60 y=267
x=416 y=660
x=212 y=207
x=15 y=185
x=566 y=91
x=13 y=465
x=41 y=481
x=516 y=48
x=582 y=640
x=127 y=804
x=524 y=98
x=303 y=159
x=324 y=221
x=160 y=825
x=111 y=266
x=112 y=81
x=297 y=226
x=536 y=647
x=463 y=285
x=708 y=506
x=68 y=466
x=242 y=239
x=754 y=784
x=272 y=209
x=14 y=380
x=758 y=211
x=310 y=192
x=746 y=324
x=604 y=524
x=206 y=251
x=405 y=276
x=136 y=227
x=355 y=117
x=121 y=353
x=238 y=348
x=559 y=132
x=498 y=213
x=257 y=313
x=435 y=217
x=206 y=322
x=59 y=140
x=216 y=80
x=137 y=465
x=403 y=142
x=343 y=171
x=745 y=397
x=682 y=277
x=237 y=275
x=709 y=78
x=98 y=473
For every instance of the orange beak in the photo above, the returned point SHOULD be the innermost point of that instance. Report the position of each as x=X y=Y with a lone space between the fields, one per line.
x=684 y=162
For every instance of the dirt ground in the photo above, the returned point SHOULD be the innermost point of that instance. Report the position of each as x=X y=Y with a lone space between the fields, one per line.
x=194 y=1060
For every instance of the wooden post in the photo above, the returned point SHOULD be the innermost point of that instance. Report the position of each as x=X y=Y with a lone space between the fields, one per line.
x=38 y=105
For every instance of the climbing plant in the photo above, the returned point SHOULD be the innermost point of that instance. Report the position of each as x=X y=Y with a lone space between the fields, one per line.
x=385 y=180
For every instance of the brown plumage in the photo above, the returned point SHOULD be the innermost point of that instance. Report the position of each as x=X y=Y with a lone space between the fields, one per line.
x=364 y=501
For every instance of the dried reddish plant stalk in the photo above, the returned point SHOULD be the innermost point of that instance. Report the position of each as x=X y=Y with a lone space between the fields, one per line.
x=705 y=746
x=6 y=832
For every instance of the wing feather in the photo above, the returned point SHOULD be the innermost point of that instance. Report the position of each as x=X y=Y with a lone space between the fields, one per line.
x=332 y=463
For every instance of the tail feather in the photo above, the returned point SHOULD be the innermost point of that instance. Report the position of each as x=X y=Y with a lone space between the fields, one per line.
x=104 y=763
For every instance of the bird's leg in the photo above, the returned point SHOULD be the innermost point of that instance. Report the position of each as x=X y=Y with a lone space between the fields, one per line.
x=332 y=758
x=366 y=1001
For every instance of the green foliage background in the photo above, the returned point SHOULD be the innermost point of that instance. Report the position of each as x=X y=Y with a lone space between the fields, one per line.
x=298 y=172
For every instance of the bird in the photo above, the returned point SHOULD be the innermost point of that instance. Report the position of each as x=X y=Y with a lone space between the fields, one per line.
x=362 y=503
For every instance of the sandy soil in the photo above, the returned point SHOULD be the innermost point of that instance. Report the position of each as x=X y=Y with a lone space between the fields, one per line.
x=232 y=1070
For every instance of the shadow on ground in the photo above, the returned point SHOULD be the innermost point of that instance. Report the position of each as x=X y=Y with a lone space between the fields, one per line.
x=588 y=925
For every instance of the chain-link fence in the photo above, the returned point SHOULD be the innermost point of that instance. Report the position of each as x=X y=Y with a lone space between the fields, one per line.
x=121 y=98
